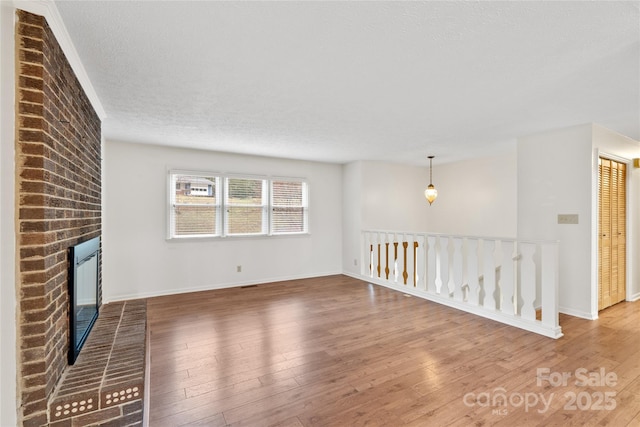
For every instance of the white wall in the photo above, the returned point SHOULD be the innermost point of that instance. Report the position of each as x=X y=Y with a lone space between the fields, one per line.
x=557 y=174
x=476 y=197
x=390 y=196
x=138 y=261
x=608 y=143
x=383 y=196
x=554 y=177
x=8 y=324
x=351 y=217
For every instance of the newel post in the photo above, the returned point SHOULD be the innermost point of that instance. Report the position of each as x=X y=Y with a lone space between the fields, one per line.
x=549 y=283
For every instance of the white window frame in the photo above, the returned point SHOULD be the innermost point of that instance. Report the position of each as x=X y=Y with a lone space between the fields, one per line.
x=264 y=229
x=173 y=174
x=304 y=205
x=221 y=206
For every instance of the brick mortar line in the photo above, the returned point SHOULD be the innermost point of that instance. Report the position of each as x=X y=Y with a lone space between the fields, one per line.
x=24 y=61
x=66 y=151
x=32 y=116
x=57 y=198
x=51 y=279
x=57 y=230
x=21 y=74
x=51 y=160
x=113 y=343
x=55 y=219
x=41 y=245
x=49 y=183
x=30 y=89
x=26 y=49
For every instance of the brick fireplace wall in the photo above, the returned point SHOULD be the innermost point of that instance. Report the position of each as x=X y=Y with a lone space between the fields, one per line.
x=58 y=167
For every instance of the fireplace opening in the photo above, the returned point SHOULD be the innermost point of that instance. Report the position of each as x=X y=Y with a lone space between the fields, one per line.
x=84 y=272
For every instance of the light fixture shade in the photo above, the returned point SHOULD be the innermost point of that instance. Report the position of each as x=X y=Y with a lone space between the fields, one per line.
x=430 y=193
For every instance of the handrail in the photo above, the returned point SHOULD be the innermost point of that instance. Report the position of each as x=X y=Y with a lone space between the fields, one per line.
x=513 y=239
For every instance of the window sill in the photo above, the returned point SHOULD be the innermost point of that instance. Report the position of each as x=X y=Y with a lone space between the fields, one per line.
x=236 y=237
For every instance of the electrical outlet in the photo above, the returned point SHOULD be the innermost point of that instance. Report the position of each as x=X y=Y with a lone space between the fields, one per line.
x=567 y=218
x=355 y=262
x=239 y=269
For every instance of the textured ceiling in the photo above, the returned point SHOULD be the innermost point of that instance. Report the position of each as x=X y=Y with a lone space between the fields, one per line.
x=344 y=81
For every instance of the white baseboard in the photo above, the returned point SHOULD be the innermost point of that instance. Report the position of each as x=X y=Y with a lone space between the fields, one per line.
x=352 y=275
x=175 y=291
x=634 y=297
x=578 y=313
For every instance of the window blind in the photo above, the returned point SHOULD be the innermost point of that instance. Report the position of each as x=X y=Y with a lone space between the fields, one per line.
x=195 y=205
x=288 y=207
x=246 y=206
x=203 y=205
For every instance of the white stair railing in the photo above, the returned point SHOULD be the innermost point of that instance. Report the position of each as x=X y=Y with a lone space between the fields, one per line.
x=507 y=280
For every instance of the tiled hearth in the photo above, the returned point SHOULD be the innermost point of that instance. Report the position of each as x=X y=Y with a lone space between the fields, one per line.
x=106 y=384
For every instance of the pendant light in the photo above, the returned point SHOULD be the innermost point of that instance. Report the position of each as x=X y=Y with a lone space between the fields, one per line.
x=430 y=193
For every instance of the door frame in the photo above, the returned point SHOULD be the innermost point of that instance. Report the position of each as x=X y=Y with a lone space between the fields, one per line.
x=594 y=226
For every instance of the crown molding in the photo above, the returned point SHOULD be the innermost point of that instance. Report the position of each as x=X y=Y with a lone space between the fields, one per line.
x=48 y=9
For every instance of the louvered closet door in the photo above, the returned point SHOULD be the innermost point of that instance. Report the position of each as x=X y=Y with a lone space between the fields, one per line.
x=612 y=233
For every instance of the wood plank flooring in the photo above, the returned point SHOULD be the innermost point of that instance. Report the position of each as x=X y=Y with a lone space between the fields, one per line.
x=336 y=351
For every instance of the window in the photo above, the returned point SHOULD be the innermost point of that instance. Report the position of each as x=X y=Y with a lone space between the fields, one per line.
x=214 y=205
x=288 y=207
x=246 y=206
x=195 y=205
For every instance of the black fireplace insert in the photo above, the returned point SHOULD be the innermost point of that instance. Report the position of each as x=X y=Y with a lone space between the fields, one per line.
x=84 y=276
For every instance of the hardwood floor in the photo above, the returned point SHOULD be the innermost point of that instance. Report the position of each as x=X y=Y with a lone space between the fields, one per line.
x=335 y=351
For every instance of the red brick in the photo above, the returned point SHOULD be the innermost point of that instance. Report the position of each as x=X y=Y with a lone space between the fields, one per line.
x=58 y=189
x=30 y=82
x=33 y=418
x=37 y=303
x=32 y=70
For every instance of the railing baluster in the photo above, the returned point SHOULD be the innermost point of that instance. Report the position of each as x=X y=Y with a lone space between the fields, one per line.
x=489 y=275
x=472 y=272
x=439 y=264
x=405 y=275
x=409 y=239
x=364 y=255
x=458 y=293
x=421 y=260
x=528 y=280
x=507 y=283
x=378 y=265
x=395 y=259
x=431 y=265
x=389 y=253
x=549 y=261
x=497 y=259
x=415 y=263
x=370 y=255
x=376 y=249
x=386 y=260
x=445 y=269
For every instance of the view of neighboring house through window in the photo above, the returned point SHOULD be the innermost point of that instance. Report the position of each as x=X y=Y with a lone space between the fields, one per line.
x=195 y=206
x=212 y=205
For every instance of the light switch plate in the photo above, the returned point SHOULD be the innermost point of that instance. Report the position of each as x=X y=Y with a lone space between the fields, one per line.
x=567 y=218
